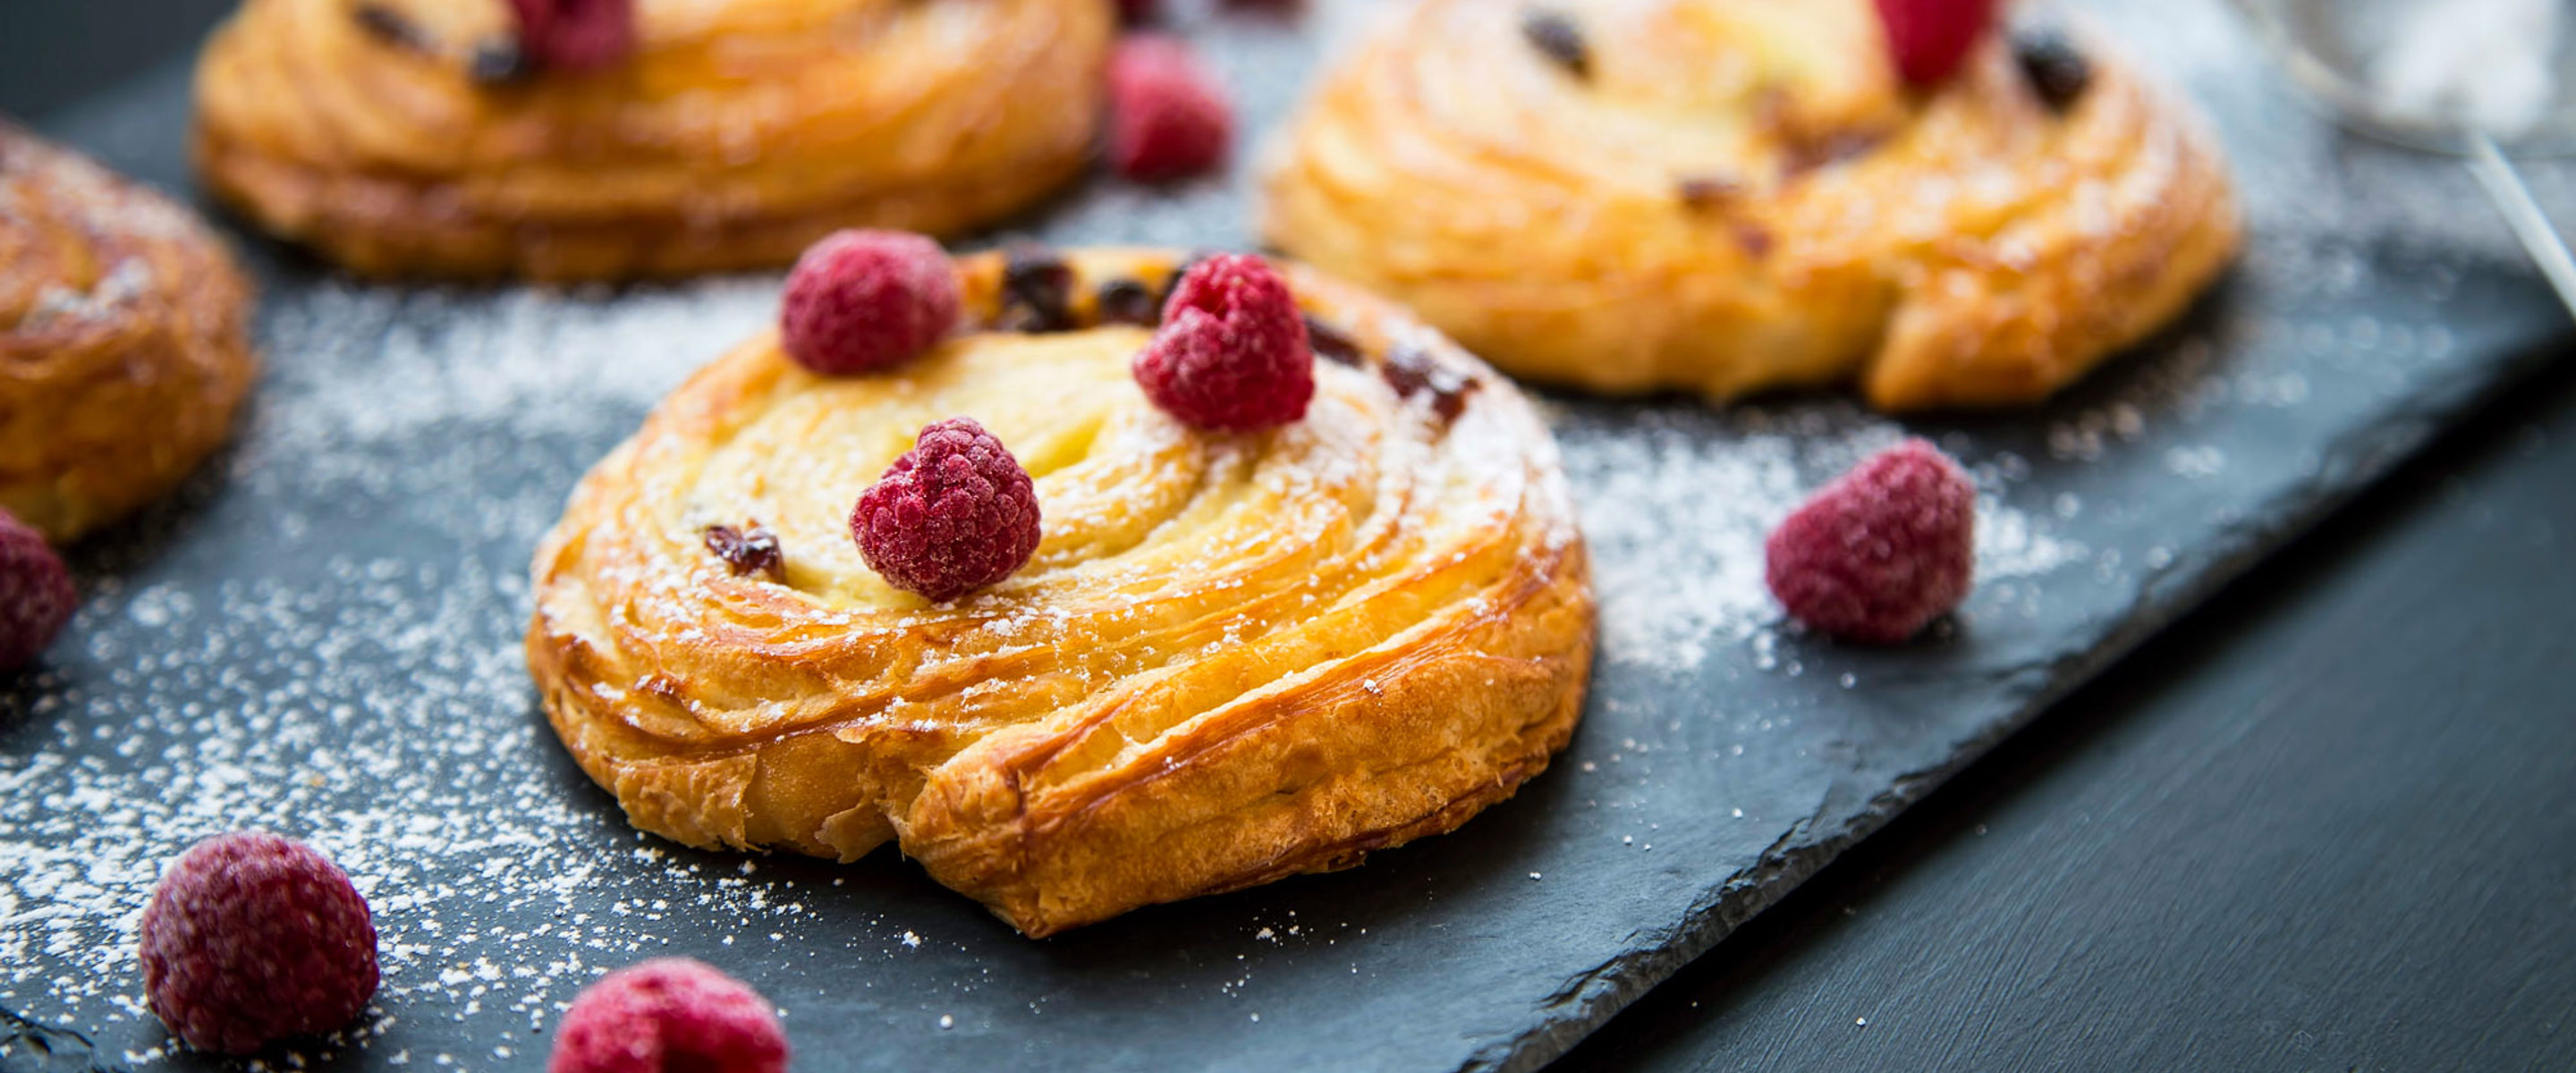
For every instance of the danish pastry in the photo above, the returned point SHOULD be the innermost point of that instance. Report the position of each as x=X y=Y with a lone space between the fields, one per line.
x=1725 y=196
x=423 y=137
x=124 y=340
x=1233 y=657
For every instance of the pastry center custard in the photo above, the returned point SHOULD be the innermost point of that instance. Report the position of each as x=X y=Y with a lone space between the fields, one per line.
x=1736 y=90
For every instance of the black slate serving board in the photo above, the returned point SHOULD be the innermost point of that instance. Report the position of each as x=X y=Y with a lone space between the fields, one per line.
x=320 y=636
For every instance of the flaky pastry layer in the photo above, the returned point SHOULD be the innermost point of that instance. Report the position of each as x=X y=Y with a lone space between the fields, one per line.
x=124 y=340
x=1233 y=658
x=1736 y=195
x=738 y=132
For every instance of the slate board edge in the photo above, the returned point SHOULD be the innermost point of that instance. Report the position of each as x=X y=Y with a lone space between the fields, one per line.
x=2349 y=467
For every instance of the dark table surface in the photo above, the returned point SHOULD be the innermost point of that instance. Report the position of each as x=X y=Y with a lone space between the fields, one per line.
x=2328 y=821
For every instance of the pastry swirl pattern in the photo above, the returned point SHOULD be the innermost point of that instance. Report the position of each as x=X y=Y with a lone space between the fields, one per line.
x=1233 y=657
x=737 y=133
x=124 y=345
x=1726 y=196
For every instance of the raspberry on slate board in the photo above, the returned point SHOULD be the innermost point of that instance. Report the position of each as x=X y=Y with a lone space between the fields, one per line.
x=251 y=938
x=36 y=593
x=669 y=1014
x=1882 y=551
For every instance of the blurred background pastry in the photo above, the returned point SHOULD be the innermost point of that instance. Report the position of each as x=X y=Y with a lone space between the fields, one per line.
x=589 y=139
x=1725 y=196
x=124 y=347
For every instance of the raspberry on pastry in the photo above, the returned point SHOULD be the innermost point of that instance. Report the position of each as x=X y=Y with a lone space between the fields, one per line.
x=1232 y=353
x=953 y=515
x=1928 y=39
x=862 y=300
x=1727 y=197
x=608 y=139
x=124 y=340
x=1226 y=659
x=575 y=35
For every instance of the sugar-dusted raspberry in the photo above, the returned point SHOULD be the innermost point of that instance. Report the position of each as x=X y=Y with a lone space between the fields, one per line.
x=1168 y=116
x=252 y=938
x=575 y=35
x=673 y=1014
x=36 y=594
x=862 y=300
x=1232 y=352
x=1883 y=550
x=953 y=515
x=1929 y=38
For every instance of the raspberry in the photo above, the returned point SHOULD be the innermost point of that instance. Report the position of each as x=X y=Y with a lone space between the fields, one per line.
x=1882 y=550
x=1168 y=116
x=1232 y=354
x=36 y=594
x=953 y=515
x=252 y=938
x=862 y=300
x=1929 y=38
x=576 y=35
x=669 y=1014
x=1135 y=11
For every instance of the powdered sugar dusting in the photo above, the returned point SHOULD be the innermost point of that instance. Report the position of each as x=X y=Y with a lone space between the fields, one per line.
x=1676 y=508
x=321 y=683
x=257 y=693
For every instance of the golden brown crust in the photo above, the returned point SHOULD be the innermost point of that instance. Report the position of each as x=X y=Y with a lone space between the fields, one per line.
x=124 y=340
x=1741 y=196
x=1234 y=658
x=739 y=132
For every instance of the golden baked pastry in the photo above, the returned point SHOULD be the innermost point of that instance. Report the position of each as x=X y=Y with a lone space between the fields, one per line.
x=404 y=137
x=1726 y=196
x=124 y=340
x=1232 y=659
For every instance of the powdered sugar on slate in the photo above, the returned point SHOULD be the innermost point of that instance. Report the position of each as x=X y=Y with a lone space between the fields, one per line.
x=246 y=685
x=252 y=692
x=1677 y=500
